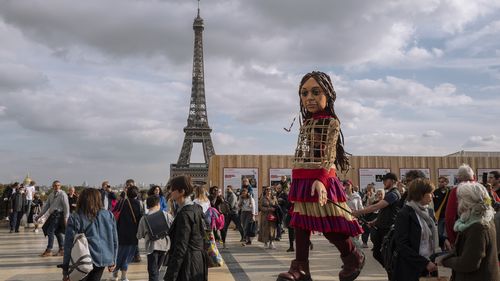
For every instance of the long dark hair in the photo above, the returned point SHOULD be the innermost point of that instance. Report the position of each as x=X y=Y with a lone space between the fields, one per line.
x=89 y=203
x=324 y=81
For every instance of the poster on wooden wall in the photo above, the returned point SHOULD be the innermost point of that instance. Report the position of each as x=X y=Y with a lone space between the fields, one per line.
x=451 y=174
x=367 y=176
x=482 y=174
x=276 y=174
x=402 y=173
x=235 y=176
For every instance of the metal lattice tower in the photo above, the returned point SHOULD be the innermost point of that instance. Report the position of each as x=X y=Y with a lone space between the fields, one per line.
x=197 y=129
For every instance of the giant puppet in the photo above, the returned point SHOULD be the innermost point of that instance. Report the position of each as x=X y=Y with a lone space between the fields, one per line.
x=317 y=194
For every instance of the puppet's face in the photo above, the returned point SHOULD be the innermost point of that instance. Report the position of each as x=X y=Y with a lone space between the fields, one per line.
x=312 y=96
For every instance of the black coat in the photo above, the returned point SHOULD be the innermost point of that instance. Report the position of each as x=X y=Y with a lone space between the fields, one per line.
x=188 y=259
x=127 y=228
x=407 y=231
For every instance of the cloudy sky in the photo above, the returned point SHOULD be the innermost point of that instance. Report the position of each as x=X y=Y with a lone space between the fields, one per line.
x=93 y=90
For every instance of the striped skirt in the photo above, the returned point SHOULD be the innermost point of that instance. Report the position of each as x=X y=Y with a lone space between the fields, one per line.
x=308 y=214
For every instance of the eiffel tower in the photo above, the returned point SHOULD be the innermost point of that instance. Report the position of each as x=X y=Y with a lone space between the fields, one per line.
x=197 y=129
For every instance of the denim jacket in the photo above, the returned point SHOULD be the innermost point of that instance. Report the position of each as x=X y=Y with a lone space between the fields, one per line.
x=101 y=235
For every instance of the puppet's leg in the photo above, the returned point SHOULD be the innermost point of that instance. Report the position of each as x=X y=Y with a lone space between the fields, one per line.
x=299 y=269
x=353 y=259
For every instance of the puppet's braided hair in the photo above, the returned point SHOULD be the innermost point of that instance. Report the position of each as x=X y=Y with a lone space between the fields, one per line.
x=324 y=81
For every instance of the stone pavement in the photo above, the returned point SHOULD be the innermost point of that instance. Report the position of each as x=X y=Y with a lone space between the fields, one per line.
x=20 y=260
x=256 y=263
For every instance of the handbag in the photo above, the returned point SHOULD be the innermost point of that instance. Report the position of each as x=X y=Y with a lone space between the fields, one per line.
x=214 y=257
x=117 y=211
x=80 y=264
x=271 y=217
x=251 y=229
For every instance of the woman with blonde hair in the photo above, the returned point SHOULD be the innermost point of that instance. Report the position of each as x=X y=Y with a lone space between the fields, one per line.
x=201 y=198
x=475 y=254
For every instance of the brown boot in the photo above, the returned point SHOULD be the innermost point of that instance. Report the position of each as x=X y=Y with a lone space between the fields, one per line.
x=353 y=264
x=47 y=253
x=60 y=252
x=299 y=271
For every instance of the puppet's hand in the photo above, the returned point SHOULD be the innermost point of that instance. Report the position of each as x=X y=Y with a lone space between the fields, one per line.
x=319 y=188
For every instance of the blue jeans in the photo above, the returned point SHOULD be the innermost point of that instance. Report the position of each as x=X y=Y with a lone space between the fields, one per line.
x=53 y=230
x=125 y=255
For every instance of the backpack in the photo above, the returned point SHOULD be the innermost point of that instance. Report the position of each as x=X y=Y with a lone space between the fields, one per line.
x=157 y=225
x=214 y=219
x=389 y=251
x=80 y=264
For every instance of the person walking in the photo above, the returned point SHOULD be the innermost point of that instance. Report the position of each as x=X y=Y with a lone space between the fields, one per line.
x=188 y=259
x=57 y=206
x=268 y=218
x=99 y=227
x=416 y=234
x=156 y=250
x=127 y=225
x=248 y=215
x=232 y=215
x=18 y=206
x=475 y=256
x=72 y=199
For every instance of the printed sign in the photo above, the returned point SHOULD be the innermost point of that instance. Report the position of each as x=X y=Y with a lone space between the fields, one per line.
x=276 y=174
x=367 y=176
x=451 y=174
x=235 y=176
x=402 y=173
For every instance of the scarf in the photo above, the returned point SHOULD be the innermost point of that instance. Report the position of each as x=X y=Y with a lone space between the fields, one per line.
x=461 y=225
x=429 y=230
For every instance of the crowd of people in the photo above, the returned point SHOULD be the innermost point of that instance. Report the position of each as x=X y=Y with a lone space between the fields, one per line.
x=431 y=227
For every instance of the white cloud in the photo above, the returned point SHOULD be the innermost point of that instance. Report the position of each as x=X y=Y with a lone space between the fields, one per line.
x=490 y=143
x=431 y=134
x=107 y=93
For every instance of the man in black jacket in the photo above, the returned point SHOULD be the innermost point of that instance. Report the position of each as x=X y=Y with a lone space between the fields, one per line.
x=387 y=215
x=17 y=208
x=7 y=193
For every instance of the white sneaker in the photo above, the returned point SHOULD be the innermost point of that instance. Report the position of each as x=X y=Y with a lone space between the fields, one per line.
x=36 y=230
x=271 y=246
x=266 y=245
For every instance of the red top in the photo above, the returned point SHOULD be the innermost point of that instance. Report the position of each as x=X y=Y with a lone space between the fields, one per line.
x=319 y=174
x=451 y=215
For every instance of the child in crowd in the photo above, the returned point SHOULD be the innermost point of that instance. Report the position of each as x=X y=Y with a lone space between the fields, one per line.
x=156 y=249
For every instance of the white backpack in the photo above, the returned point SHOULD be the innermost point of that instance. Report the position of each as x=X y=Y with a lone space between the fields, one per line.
x=80 y=264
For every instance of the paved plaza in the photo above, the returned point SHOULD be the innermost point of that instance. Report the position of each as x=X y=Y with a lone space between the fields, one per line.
x=20 y=261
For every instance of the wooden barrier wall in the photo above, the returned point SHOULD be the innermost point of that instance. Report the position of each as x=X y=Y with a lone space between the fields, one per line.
x=266 y=162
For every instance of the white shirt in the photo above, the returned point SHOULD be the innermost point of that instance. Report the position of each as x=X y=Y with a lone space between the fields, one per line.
x=29 y=192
